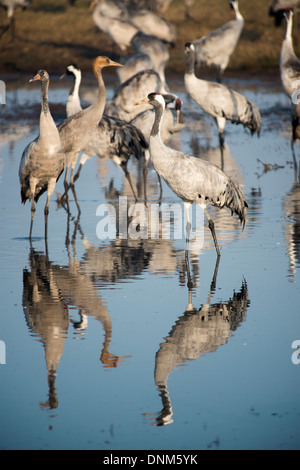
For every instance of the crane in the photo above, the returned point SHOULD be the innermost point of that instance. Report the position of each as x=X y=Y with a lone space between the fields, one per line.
x=112 y=138
x=190 y=178
x=43 y=159
x=219 y=101
x=289 y=62
x=10 y=6
x=216 y=48
x=75 y=131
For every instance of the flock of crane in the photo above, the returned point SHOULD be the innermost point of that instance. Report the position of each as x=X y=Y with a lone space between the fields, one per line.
x=126 y=126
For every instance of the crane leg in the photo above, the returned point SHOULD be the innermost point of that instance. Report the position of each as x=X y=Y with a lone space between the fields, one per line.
x=32 y=184
x=187 y=206
x=213 y=232
x=78 y=172
x=127 y=176
x=32 y=216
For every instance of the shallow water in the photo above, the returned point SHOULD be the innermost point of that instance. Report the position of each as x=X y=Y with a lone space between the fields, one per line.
x=102 y=342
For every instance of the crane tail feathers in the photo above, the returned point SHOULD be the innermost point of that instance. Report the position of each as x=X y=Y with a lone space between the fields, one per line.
x=236 y=203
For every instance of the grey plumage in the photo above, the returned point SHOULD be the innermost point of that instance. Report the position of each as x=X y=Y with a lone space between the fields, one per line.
x=76 y=130
x=216 y=48
x=11 y=5
x=289 y=62
x=136 y=87
x=156 y=50
x=43 y=160
x=190 y=178
x=111 y=138
x=219 y=101
x=121 y=21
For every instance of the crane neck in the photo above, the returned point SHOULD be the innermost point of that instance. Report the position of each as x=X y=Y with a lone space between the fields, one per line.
x=190 y=63
x=289 y=28
x=159 y=111
x=101 y=99
x=238 y=15
x=76 y=84
x=44 y=97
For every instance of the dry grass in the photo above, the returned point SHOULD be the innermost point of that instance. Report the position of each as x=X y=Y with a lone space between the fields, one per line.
x=53 y=34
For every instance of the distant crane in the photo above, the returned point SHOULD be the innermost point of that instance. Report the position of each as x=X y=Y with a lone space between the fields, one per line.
x=216 y=48
x=122 y=20
x=43 y=160
x=10 y=6
x=190 y=178
x=220 y=101
x=289 y=62
x=289 y=71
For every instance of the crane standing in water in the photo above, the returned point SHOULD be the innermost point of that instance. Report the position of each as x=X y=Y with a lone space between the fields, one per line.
x=219 y=101
x=190 y=178
x=289 y=71
x=43 y=160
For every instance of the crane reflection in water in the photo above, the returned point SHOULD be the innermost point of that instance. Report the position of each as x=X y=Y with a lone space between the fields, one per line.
x=195 y=333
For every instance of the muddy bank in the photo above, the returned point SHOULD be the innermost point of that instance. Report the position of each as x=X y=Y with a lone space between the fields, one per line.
x=53 y=34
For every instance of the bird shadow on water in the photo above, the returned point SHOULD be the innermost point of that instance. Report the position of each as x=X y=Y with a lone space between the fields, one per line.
x=196 y=332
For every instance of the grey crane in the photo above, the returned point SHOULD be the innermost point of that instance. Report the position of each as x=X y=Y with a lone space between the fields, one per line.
x=149 y=23
x=157 y=51
x=219 y=101
x=278 y=7
x=190 y=178
x=10 y=6
x=112 y=138
x=43 y=160
x=111 y=17
x=216 y=48
x=141 y=84
x=133 y=64
x=75 y=132
x=122 y=20
x=289 y=62
x=289 y=71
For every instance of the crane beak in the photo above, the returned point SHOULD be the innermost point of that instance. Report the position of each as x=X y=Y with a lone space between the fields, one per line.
x=116 y=64
x=37 y=77
x=63 y=76
x=144 y=101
